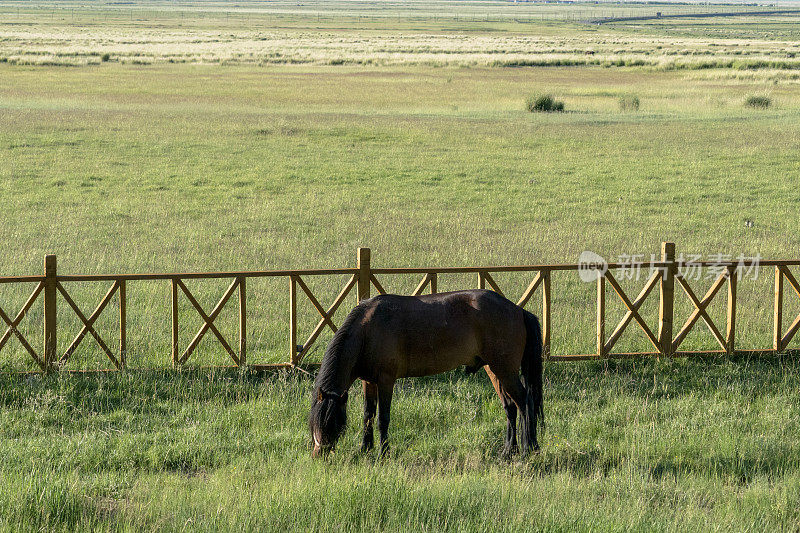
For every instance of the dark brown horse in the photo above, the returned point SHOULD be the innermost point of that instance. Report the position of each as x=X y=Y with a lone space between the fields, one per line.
x=390 y=337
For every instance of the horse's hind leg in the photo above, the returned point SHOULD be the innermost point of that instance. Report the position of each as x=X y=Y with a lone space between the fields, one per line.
x=385 y=390
x=511 y=426
x=511 y=384
x=510 y=447
x=370 y=404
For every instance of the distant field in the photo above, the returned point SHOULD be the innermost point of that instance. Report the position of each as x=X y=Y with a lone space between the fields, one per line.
x=782 y=28
x=424 y=33
x=211 y=142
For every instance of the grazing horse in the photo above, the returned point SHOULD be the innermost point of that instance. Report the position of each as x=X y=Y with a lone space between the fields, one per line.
x=390 y=337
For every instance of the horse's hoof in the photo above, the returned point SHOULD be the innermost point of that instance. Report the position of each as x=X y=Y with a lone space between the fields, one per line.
x=509 y=451
x=528 y=450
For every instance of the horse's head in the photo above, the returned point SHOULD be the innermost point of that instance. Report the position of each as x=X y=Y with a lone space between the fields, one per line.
x=327 y=420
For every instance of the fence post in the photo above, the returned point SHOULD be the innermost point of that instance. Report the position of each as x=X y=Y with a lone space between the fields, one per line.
x=293 y=357
x=731 y=330
x=123 y=324
x=174 y=303
x=242 y=321
x=50 y=292
x=546 y=314
x=363 y=273
x=778 y=314
x=601 y=314
x=667 y=301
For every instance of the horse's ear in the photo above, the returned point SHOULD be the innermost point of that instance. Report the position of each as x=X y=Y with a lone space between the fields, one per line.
x=319 y=395
x=344 y=396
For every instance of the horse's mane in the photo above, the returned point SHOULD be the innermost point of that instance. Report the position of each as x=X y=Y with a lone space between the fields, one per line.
x=342 y=351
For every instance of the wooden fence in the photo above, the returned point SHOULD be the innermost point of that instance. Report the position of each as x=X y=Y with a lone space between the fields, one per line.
x=665 y=341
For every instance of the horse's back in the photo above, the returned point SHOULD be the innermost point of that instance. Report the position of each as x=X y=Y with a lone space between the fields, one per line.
x=429 y=334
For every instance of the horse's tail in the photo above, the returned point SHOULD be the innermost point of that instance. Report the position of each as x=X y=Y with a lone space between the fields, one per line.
x=532 y=380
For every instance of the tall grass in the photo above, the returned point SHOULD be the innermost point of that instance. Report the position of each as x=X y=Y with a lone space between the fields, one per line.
x=629 y=102
x=758 y=101
x=220 y=450
x=543 y=103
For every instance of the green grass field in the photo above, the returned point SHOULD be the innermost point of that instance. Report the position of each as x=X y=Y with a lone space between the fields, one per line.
x=677 y=445
x=163 y=159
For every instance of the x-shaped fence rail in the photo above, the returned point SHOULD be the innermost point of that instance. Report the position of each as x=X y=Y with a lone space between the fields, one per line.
x=604 y=345
x=296 y=352
x=781 y=340
x=88 y=324
x=363 y=278
x=13 y=326
x=239 y=358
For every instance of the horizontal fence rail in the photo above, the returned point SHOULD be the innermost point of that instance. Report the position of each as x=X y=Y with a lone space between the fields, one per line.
x=666 y=278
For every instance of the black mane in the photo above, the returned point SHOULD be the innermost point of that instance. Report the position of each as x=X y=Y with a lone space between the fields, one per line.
x=339 y=351
x=328 y=416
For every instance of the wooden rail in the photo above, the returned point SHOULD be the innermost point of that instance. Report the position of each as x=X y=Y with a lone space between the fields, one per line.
x=666 y=273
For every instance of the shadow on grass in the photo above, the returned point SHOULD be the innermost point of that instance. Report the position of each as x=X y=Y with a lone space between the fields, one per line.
x=652 y=378
x=676 y=377
x=107 y=391
x=739 y=469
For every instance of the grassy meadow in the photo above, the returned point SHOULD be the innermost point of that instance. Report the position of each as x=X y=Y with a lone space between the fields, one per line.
x=191 y=148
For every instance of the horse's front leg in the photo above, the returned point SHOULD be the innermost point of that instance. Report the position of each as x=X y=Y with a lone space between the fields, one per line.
x=385 y=390
x=370 y=404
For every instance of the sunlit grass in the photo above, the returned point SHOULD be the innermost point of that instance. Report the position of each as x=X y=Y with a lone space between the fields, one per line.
x=625 y=443
x=188 y=168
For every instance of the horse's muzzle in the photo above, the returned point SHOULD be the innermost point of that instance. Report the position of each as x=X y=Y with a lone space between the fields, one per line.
x=318 y=449
x=321 y=451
